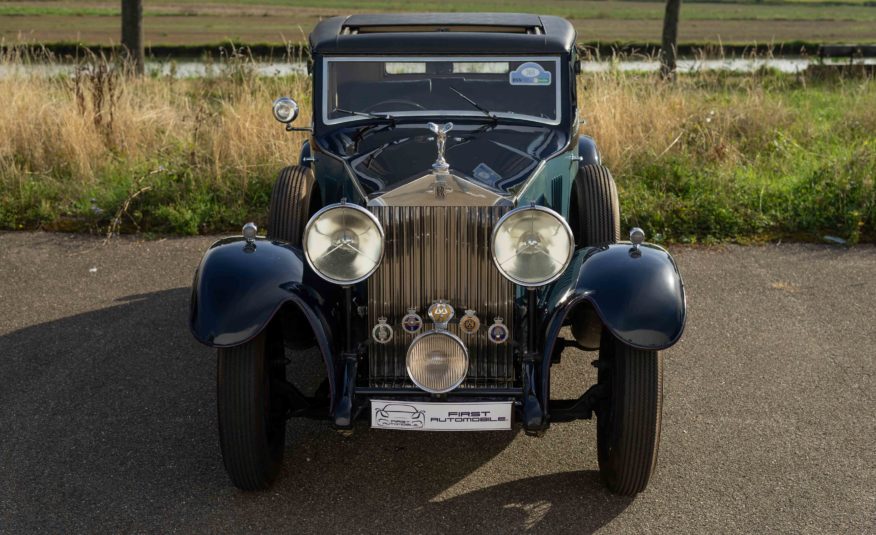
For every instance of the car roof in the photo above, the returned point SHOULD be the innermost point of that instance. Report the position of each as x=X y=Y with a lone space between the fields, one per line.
x=443 y=33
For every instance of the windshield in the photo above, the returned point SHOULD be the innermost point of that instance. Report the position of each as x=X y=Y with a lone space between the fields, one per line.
x=519 y=87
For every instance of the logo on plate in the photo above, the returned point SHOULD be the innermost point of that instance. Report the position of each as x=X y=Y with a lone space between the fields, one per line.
x=401 y=416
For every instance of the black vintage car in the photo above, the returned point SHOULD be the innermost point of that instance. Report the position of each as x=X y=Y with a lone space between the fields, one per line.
x=445 y=220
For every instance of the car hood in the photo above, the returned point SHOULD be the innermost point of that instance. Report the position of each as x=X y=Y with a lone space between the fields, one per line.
x=498 y=157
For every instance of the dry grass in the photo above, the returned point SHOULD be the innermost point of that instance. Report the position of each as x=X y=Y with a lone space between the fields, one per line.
x=76 y=125
x=710 y=157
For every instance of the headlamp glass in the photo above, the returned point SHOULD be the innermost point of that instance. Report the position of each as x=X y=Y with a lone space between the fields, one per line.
x=343 y=243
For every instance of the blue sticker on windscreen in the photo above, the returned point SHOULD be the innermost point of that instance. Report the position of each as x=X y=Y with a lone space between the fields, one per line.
x=485 y=173
x=530 y=73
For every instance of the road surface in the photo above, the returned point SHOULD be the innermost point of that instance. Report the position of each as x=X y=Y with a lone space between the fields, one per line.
x=108 y=416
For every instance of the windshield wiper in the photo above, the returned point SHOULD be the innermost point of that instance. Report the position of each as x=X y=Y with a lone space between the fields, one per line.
x=480 y=108
x=381 y=116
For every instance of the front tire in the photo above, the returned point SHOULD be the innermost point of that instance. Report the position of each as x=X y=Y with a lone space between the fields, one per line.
x=628 y=421
x=594 y=211
x=252 y=426
x=294 y=199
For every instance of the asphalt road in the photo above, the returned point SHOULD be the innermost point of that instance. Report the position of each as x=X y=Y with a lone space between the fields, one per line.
x=107 y=413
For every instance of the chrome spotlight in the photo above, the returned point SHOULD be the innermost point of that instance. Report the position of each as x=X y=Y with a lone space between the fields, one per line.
x=285 y=110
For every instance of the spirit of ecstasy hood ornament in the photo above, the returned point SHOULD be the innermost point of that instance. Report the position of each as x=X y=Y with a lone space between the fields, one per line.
x=441 y=167
x=441 y=139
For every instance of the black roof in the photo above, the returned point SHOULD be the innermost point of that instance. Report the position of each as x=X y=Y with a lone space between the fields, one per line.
x=429 y=33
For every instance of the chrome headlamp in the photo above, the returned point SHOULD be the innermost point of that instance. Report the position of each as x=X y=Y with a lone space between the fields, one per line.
x=532 y=245
x=285 y=110
x=343 y=243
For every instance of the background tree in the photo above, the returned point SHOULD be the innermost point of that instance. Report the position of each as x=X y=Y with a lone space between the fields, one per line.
x=669 y=44
x=132 y=32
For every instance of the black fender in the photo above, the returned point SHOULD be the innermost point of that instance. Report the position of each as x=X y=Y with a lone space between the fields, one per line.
x=587 y=151
x=240 y=287
x=638 y=295
x=305 y=158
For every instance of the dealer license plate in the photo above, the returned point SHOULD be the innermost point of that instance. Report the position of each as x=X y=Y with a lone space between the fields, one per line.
x=416 y=416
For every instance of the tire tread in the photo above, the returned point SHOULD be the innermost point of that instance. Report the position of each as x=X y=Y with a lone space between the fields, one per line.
x=628 y=465
x=242 y=435
x=598 y=207
x=290 y=204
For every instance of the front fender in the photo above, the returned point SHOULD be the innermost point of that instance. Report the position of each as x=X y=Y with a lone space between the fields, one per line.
x=238 y=288
x=637 y=294
x=587 y=151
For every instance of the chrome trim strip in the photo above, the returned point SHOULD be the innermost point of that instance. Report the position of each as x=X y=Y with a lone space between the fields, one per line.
x=573 y=142
x=349 y=170
x=529 y=181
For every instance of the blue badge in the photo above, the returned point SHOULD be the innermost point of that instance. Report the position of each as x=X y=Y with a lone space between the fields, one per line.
x=529 y=73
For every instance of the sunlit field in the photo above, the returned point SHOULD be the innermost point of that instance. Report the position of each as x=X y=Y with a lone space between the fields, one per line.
x=191 y=22
x=713 y=157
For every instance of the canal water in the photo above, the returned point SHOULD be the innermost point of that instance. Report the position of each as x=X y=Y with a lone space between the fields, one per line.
x=193 y=69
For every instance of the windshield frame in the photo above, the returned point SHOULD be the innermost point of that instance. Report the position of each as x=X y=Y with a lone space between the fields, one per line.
x=475 y=113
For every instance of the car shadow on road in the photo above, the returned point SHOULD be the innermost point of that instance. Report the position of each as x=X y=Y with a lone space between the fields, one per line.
x=109 y=423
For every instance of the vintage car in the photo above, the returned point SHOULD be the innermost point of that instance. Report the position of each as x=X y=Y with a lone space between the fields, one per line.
x=444 y=222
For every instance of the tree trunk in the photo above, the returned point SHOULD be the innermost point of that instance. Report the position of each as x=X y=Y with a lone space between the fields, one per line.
x=669 y=45
x=132 y=32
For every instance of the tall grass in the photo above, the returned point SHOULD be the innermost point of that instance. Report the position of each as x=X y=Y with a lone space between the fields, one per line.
x=720 y=156
x=714 y=156
x=74 y=148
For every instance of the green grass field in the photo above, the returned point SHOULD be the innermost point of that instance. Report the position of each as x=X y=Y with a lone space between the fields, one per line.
x=195 y=22
x=713 y=157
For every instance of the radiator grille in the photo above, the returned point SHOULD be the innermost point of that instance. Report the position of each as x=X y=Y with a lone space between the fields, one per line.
x=436 y=253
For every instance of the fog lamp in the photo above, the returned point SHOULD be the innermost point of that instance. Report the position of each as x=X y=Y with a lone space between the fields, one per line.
x=532 y=246
x=343 y=243
x=437 y=361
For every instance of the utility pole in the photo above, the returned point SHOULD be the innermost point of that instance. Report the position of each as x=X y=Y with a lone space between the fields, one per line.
x=132 y=32
x=669 y=44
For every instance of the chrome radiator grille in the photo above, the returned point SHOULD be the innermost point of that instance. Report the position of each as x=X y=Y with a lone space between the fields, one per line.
x=436 y=253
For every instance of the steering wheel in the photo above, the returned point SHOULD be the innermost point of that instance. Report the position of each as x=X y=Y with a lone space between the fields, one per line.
x=408 y=103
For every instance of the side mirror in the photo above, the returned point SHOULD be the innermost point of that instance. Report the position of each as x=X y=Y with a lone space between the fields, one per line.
x=285 y=110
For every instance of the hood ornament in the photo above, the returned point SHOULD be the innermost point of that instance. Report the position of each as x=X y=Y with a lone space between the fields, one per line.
x=441 y=167
x=441 y=139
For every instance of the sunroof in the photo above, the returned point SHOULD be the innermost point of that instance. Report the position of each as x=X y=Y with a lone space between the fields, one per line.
x=427 y=28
